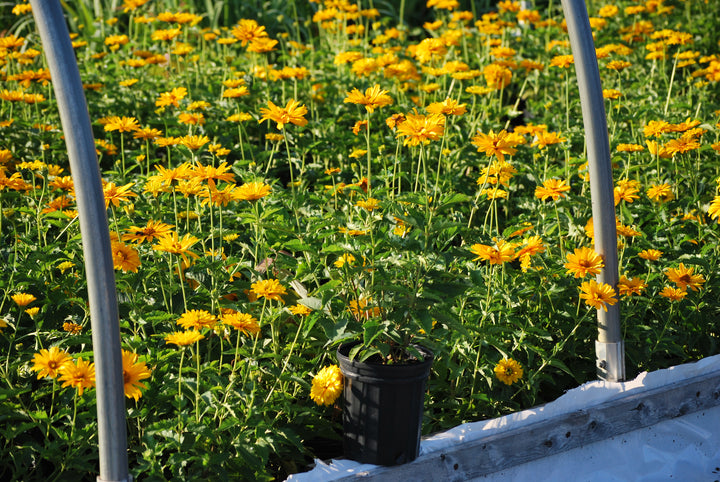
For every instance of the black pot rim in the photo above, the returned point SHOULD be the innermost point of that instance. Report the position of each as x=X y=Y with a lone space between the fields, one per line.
x=396 y=373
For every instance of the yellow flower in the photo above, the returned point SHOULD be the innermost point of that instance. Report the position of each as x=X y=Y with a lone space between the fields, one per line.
x=218 y=150
x=194 y=142
x=171 y=243
x=478 y=90
x=344 y=259
x=360 y=308
x=72 y=328
x=498 y=254
x=443 y=4
x=626 y=190
x=32 y=312
x=660 y=193
x=241 y=117
x=197 y=319
x=80 y=375
x=124 y=257
x=236 y=92
x=116 y=194
x=48 y=362
x=292 y=113
x=269 y=288
x=656 y=128
x=243 y=322
x=327 y=385
x=183 y=338
x=714 y=209
x=395 y=120
x=373 y=98
x=122 y=124
x=133 y=372
x=199 y=105
x=430 y=48
x=584 y=261
x=494 y=193
x=499 y=172
x=533 y=245
x=608 y=11
x=165 y=34
x=544 y=139
x=247 y=30
x=172 y=97
x=148 y=133
x=673 y=294
x=684 y=277
x=634 y=286
x=552 y=188
x=218 y=197
x=23 y=299
x=401 y=229
x=300 y=310
x=650 y=254
x=629 y=148
x=207 y=172
x=369 y=204
x=496 y=76
x=447 y=107
x=21 y=9
x=493 y=144
x=261 y=45
x=191 y=118
x=508 y=371
x=419 y=129
x=357 y=153
x=358 y=127
x=151 y=231
x=562 y=61
x=597 y=295
x=618 y=65
x=682 y=145
x=252 y=191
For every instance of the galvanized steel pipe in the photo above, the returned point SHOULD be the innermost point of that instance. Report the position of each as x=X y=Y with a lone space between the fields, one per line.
x=102 y=297
x=610 y=349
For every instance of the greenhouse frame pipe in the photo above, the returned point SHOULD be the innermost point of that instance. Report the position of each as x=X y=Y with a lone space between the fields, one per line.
x=102 y=295
x=609 y=347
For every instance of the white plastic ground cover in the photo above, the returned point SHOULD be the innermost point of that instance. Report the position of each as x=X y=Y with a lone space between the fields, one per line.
x=685 y=448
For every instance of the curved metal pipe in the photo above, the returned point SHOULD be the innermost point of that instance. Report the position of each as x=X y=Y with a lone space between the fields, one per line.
x=102 y=297
x=609 y=348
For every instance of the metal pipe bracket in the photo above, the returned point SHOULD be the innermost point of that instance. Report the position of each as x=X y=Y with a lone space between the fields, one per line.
x=610 y=361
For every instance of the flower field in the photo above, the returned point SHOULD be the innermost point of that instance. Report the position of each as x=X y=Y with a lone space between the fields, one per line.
x=282 y=180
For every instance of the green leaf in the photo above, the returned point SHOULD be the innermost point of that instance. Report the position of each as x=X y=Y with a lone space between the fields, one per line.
x=296 y=245
x=371 y=330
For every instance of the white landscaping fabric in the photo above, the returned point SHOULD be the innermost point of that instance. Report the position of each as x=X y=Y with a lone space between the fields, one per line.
x=686 y=448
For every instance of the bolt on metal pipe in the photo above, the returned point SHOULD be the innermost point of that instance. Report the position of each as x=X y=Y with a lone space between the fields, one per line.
x=102 y=295
x=609 y=347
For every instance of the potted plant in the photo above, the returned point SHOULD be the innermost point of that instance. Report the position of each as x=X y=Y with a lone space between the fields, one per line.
x=382 y=309
x=383 y=407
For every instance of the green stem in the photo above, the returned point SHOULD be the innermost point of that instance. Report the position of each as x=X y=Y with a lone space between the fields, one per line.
x=287 y=360
x=197 y=382
x=180 y=395
x=369 y=156
x=672 y=78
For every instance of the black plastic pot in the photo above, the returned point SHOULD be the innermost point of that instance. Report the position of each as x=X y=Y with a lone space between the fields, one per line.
x=383 y=408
